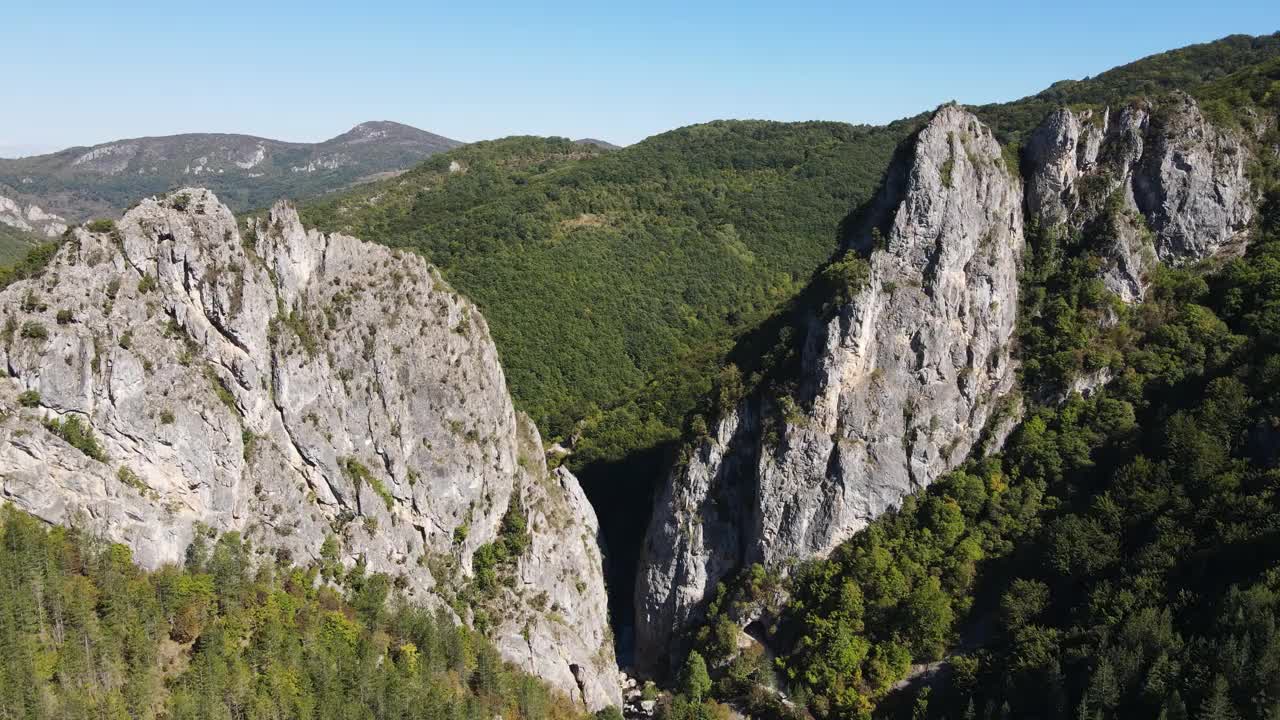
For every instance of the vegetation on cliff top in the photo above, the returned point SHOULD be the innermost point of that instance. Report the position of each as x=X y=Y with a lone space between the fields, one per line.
x=615 y=282
x=1115 y=560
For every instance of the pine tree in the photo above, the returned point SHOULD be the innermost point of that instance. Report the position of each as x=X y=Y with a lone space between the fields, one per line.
x=1217 y=705
x=695 y=682
x=1174 y=708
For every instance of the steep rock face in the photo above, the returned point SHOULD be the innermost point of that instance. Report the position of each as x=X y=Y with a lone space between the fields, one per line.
x=899 y=380
x=897 y=383
x=1167 y=185
x=1194 y=188
x=294 y=387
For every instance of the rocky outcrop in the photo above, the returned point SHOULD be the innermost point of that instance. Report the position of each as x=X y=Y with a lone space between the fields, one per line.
x=1154 y=184
x=30 y=218
x=898 y=380
x=294 y=387
x=1193 y=189
x=903 y=377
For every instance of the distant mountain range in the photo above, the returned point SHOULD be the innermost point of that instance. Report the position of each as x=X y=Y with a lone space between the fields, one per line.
x=247 y=172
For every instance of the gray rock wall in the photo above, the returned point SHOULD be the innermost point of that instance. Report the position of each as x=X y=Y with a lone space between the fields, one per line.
x=30 y=218
x=1180 y=185
x=293 y=386
x=896 y=385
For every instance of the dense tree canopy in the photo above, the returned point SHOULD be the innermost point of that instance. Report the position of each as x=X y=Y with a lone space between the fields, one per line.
x=86 y=634
x=1117 y=559
x=614 y=281
x=15 y=245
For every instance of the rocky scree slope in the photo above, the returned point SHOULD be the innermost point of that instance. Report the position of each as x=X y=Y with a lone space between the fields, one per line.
x=298 y=388
x=913 y=368
x=248 y=172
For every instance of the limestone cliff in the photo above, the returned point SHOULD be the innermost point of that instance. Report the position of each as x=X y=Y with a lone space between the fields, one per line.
x=901 y=377
x=1168 y=185
x=294 y=387
x=897 y=382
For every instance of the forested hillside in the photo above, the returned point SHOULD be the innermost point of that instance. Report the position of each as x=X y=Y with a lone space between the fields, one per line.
x=86 y=634
x=15 y=244
x=614 y=280
x=247 y=172
x=26 y=255
x=618 y=284
x=1117 y=559
x=1195 y=69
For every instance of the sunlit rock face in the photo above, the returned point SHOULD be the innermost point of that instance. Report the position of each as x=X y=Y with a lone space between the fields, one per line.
x=899 y=382
x=294 y=386
x=1155 y=184
x=896 y=385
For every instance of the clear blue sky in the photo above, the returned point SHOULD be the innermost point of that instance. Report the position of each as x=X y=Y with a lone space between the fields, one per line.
x=78 y=73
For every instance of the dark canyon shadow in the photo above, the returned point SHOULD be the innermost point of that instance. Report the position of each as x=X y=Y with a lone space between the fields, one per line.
x=622 y=493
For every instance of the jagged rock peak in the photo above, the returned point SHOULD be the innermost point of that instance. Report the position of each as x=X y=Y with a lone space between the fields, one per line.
x=1168 y=185
x=298 y=388
x=897 y=382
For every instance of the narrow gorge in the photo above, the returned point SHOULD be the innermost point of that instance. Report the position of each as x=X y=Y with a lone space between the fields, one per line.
x=834 y=414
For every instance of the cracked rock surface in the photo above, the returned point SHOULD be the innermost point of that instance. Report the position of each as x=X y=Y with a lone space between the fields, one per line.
x=293 y=386
x=899 y=381
x=1169 y=186
x=896 y=385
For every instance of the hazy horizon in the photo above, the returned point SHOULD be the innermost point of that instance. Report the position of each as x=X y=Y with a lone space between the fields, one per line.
x=576 y=70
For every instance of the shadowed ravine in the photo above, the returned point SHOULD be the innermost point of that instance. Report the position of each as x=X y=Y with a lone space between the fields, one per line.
x=622 y=494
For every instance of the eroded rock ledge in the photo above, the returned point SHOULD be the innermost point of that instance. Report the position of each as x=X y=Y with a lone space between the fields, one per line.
x=1170 y=186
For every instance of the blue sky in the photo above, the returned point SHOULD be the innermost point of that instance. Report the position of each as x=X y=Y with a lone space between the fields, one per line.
x=78 y=73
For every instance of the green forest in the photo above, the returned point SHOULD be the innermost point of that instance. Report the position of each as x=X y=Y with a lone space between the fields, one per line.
x=613 y=281
x=619 y=285
x=1197 y=69
x=15 y=244
x=616 y=282
x=1118 y=559
x=87 y=634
